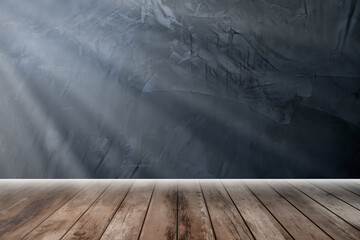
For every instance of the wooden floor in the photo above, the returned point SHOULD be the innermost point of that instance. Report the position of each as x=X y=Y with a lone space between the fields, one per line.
x=179 y=209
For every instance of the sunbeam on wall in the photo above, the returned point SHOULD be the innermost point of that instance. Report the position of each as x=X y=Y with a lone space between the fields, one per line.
x=179 y=89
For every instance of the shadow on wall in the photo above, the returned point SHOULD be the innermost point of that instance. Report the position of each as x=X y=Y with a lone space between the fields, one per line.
x=161 y=89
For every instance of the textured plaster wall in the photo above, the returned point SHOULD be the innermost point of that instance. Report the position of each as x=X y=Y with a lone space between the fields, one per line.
x=191 y=88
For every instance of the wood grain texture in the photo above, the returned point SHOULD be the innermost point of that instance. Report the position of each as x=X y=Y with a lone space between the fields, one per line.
x=261 y=223
x=28 y=212
x=338 y=207
x=178 y=209
x=60 y=222
x=327 y=221
x=339 y=192
x=93 y=223
x=227 y=221
x=128 y=221
x=11 y=187
x=299 y=226
x=351 y=186
x=18 y=191
x=193 y=217
x=161 y=219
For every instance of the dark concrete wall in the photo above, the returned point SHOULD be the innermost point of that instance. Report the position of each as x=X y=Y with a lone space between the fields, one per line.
x=190 y=89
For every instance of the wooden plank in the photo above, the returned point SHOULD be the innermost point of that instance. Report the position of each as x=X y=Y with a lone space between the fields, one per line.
x=128 y=221
x=338 y=207
x=60 y=222
x=261 y=223
x=9 y=187
x=193 y=218
x=93 y=223
x=161 y=219
x=27 y=213
x=17 y=191
x=352 y=186
x=227 y=221
x=327 y=221
x=339 y=192
x=299 y=226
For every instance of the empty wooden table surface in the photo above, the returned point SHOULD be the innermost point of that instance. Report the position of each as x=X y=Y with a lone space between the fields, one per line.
x=179 y=209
